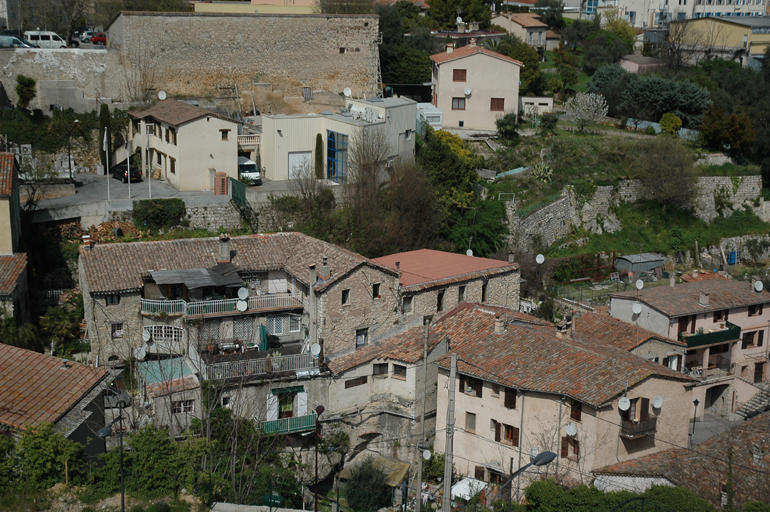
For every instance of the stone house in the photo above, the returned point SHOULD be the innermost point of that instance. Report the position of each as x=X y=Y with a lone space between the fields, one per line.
x=14 y=289
x=525 y=386
x=172 y=387
x=524 y=25
x=474 y=86
x=191 y=148
x=724 y=324
x=434 y=282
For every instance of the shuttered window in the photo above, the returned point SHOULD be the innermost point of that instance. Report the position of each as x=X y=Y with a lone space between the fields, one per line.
x=459 y=75
x=497 y=431
x=511 y=435
x=356 y=382
x=570 y=448
x=510 y=398
x=497 y=105
x=576 y=412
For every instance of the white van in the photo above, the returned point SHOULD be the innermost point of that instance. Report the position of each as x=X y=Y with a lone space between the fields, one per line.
x=249 y=170
x=45 y=39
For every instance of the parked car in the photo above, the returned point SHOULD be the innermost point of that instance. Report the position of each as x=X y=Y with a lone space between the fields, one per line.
x=87 y=35
x=13 y=42
x=249 y=170
x=45 y=39
x=120 y=172
x=99 y=38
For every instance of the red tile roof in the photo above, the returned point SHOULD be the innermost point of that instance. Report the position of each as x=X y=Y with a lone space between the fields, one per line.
x=525 y=19
x=467 y=51
x=427 y=267
x=703 y=468
x=530 y=357
x=175 y=112
x=683 y=299
x=121 y=267
x=550 y=34
x=35 y=387
x=703 y=276
x=11 y=269
x=7 y=164
x=611 y=331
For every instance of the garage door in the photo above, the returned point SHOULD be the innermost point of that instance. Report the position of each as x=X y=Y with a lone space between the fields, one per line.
x=299 y=161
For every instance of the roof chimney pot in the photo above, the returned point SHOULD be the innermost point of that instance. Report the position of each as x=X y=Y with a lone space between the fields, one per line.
x=450 y=47
x=704 y=299
x=398 y=266
x=499 y=325
x=224 y=248
x=672 y=281
x=325 y=270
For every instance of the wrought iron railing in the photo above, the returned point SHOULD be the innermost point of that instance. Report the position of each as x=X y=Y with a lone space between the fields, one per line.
x=218 y=306
x=251 y=367
x=635 y=429
x=289 y=425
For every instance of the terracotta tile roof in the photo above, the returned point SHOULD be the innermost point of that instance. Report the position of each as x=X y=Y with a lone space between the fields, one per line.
x=11 y=269
x=683 y=299
x=175 y=112
x=550 y=34
x=7 y=165
x=121 y=267
x=703 y=276
x=611 y=331
x=467 y=51
x=35 y=387
x=426 y=267
x=525 y=19
x=530 y=357
x=703 y=468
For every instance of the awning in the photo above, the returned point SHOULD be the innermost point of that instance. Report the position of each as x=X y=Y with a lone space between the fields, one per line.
x=197 y=277
x=467 y=488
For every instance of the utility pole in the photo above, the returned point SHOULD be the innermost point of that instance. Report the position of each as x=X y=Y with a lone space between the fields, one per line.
x=128 y=164
x=450 y=432
x=420 y=446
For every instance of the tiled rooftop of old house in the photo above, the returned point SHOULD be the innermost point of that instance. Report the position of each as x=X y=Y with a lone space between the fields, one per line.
x=611 y=331
x=11 y=268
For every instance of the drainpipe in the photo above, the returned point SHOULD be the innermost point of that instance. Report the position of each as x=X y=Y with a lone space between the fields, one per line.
x=521 y=430
x=558 y=435
x=312 y=305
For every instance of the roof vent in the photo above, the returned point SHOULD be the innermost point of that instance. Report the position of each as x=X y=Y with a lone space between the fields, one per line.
x=325 y=270
x=672 y=280
x=398 y=266
x=704 y=299
x=224 y=248
x=64 y=364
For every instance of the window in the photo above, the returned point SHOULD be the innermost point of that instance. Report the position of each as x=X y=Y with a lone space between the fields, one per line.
x=172 y=165
x=440 y=301
x=495 y=477
x=342 y=50
x=159 y=158
x=294 y=324
x=748 y=340
x=380 y=369
x=673 y=362
x=362 y=335
x=471 y=386
x=570 y=448
x=497 y=104
x=484 y=292
x=470 y=422
x=399 y=371
x=458 y=103
x=183 y=407
x=755 y=310
x=226 y=402
x=172 y=136
x=149 y=129
x=720 y=349
x=510 y=398
x=459 y=75
x=358 y=381
x=406 y=304
x=576 y=412
x=165 y=334
x=376 y=291
x=168 y=133
x=495 y=389
x=511 y=436
x=638 y=411
x=275 y=325
x=461 y=294
x=225 y=134
x=408 y=134
x=760 y=338
x=336 y=156
x=286 y=405
x=117 y=329
x=345 y=297
x=720 y=316
x=479 y=473
x=112 y=300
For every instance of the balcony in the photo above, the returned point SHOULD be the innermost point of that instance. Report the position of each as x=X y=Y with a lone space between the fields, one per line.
x=637 y=429
x=248 y=140
x=217 y=307
x=289 y=425
x=253 y=367
x=730 y=332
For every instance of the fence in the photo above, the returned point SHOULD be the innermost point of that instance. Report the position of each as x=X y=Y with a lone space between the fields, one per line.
x=238 y=193
x=240 y=369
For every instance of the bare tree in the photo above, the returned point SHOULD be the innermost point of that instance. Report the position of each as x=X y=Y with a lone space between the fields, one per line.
x=139 y=73
x=36 y=181
x=585 y=108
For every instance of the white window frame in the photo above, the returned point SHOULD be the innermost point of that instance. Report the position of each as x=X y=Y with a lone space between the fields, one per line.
x=273 y=322
x=183 y=407
x=118 y=333
x=295 y=323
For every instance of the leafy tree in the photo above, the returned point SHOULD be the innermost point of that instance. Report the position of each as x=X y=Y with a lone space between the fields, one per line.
x=577 y=32
x=450 y=167
x=615 y=23
x=159 y=213
x=407 y=65
x=367 y=488
x=755 y=506
x=43 y=456
x=319 y=156
x=26 y=90
x=7 y=462
x=482 y=226
x=610 y=81
x=670 y=124
x=649 y=97
x=548 y=124
x=506 y=128
x=551 y=12
x=517 y=49
x=586 y=108
x=569 y=75
x=733 y=132
x=22 y=336
x=61 y=325
x=444 y=12
x=667 y=173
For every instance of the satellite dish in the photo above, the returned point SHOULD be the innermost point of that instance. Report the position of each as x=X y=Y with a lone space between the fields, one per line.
x=758 y=286
x=162 y=95
x=539 y=259
x=140 y=353
x=469 y=252
x=241 y=305
x=468 y=91
x=459 y=20
x=243 y=293
x=657 y=402
x=639 y=284
x=347 y=92
x=571 y=429
x=636 y=308
x=426 y=455
x=315 y=349
x=624 y=404
x=534 y=452
x=146 y=336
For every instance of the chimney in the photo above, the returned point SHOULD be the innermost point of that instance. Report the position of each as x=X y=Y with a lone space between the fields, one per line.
x=511 y=259
x=499 y=324
x=474 y=27
x=461 y=28
x=450 y=47
x=224 y=248
x=313 y=277
x=398 y=266
x=325 y=271
x=564 y=328
x=472 y=44
x=672 y=280
x=704 y=299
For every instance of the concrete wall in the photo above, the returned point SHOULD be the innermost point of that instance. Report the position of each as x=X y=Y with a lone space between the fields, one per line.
x=649 y=319
x=660 y=349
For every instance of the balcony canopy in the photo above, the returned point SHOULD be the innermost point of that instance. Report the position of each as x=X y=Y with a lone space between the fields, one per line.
x=224 y=274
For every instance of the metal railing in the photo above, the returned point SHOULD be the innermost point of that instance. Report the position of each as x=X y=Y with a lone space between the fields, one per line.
x=240 y=369
x=218 y=306
x=289 y=425
x=731 y=332
x=634 y=430
x=245 y=140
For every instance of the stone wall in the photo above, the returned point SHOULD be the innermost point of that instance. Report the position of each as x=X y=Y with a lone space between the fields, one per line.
x=214 y=217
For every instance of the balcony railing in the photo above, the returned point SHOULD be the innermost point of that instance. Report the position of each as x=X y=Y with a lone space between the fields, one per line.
x=731 y=332
x=240 y=369
x=289 y=425
x=248 y=140
x=218 y=306
x=635 y=430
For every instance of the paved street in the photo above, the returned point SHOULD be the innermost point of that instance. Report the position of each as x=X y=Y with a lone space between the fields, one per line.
x=712 y=425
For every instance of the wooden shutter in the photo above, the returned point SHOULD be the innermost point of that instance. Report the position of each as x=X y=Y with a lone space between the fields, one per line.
x=510 y=398
x=565 y=447
x=479 y=474
x=575 y=447
x=761 y=339
x=759 y=309
x=497 y=431
x=462 y=384
x=726 y=315
x=515 y=437
x=479 y=387
x=692 y=324
x=497 y=104
x=645 y=412
x=576 y=411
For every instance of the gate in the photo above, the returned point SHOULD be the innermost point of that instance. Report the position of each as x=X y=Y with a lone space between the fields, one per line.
x=239 y=193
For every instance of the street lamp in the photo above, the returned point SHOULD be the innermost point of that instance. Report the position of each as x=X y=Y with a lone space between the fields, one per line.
x=69 y=146
x=104 y=434
x=541 y=459
x=316 y=434
x=695 y=402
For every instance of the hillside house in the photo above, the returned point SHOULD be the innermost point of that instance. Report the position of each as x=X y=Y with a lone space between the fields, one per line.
x=524 y=25
x=742 y=36
x=14 y=289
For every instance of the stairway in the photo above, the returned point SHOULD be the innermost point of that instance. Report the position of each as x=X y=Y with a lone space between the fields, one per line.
x=758 y=404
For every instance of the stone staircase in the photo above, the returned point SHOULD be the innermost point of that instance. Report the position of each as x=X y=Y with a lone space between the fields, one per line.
x=758 y=403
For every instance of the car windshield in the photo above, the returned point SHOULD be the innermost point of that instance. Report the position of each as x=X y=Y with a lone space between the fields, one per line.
x=248 y=168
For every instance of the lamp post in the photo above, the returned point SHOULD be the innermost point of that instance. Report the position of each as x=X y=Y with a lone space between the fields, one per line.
x=695 y=402
x=104 y=434
x=69 y=146
x=540 y=460
x=316 y=434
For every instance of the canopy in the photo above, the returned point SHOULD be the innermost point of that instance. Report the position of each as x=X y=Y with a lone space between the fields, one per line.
x=221 y=275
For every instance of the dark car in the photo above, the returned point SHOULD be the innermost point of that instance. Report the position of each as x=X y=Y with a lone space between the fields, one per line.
x=100 y=38
x=121 y=173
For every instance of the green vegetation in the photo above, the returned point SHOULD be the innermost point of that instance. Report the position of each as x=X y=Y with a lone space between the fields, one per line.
x=26 y=90
x=159 y=213
x=367 y=490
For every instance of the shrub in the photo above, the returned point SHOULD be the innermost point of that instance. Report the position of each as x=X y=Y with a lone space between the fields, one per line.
x=548 y=123
x=650 y=131
x=670 y=123
x=26 y=90
x=542 y=172
x=506 y=128
x=159 y=213
x=668 y=174
x=367 y=489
